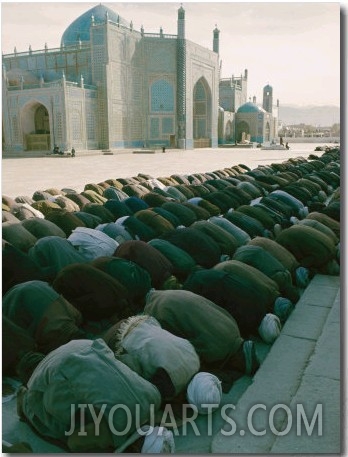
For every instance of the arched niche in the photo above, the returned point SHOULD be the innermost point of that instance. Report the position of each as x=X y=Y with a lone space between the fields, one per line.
x=35 y=126
x=202 y=114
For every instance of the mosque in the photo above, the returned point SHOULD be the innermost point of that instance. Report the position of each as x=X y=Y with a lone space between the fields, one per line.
x=109 y=86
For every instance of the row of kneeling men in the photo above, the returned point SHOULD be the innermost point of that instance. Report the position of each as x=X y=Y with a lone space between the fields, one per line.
x=159 y=287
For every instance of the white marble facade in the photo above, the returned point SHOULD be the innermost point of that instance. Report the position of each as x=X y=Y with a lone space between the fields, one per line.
x=109 y=86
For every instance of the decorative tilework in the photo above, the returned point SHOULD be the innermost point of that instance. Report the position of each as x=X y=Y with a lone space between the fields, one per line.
x=98 y=37
x=154 y=128
x=91 y=126
x=162 y=96
x=15 y=129
x=167 y=125
x=75 y=119
x=59 y=127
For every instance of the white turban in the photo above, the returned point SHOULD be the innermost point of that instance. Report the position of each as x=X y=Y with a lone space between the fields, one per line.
x=283 y=307
x=204 y=389
x=302 y=277
x=159 y=440
x=121 y=220
x=294 y=220
x=270 y=328
x=303 y=212
x=92 y=243
x=35 y=212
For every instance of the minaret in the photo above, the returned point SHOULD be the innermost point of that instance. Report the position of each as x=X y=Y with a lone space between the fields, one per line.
x=181 y=79
x=181 y=23
x=216 y=40
x=267 y=103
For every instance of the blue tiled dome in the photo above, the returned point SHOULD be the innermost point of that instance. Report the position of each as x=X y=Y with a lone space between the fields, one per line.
x=249 y=108
x=79 y=29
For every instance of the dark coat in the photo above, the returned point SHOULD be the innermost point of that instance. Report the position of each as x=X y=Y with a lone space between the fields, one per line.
x=181 y=261
x=311 y=248
x=234 y=293
x=42 y=227
x=201 y=247
x=227 y=242
x=155 y=221
x=211 y=330
x=93 y=292
x=250 y=225
x=43 y=313
x=18 y=267
x=134 y=278
x=147 y=257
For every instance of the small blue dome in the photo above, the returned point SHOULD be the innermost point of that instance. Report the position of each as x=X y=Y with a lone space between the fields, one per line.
x=249 y=108
x=79 y=29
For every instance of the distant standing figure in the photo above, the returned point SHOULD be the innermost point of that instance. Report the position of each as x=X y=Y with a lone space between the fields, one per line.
x=281 y=141
x=72 y=152
x=163 y=149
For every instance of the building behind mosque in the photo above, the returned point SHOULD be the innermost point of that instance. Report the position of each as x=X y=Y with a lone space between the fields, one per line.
x=109 y=86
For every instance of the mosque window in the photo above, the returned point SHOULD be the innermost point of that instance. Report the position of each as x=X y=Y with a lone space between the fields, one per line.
x=200 y=108
x=154 y=128
x=167 y=125
x=162 y=96
x=200 y=111
x=41 y=120
x=200 y=92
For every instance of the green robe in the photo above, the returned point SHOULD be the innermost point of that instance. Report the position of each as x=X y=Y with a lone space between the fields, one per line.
x=86 y=372
x=212 y=331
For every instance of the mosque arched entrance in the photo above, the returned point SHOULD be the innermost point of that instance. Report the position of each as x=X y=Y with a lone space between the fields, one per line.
x=201 y=114
x=242 y=131
x=35 y=123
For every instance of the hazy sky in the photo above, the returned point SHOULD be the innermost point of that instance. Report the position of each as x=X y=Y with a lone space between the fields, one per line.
x=294 y=47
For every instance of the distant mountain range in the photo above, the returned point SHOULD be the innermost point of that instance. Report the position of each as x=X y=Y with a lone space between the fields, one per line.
x=323 y=116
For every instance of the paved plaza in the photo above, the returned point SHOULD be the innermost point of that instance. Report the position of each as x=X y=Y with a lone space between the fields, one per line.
x=25 y=175
x=299 y=372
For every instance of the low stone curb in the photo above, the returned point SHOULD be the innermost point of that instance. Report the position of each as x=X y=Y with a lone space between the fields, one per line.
x=301 y=370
